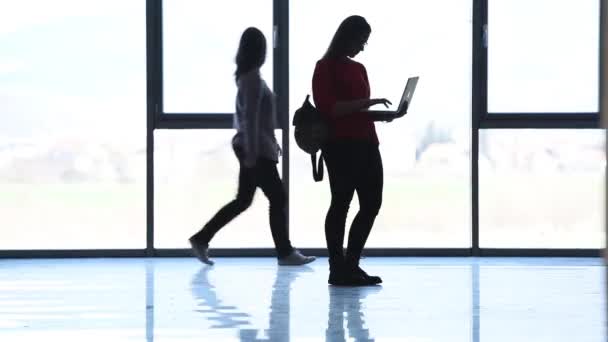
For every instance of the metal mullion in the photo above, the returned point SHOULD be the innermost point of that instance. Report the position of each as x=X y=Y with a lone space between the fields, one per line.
x=159 y=54
x=539 y=124
x=194 y=125
x=154 y=106
x=270 y=252
x=400 y=252
x=73 y=253
x=540 y=120
x=543 y=115
x=541 y=252
x=281 y=85
x=194 y=116
x=195 y=121
x=322 y=252
x=478 y=110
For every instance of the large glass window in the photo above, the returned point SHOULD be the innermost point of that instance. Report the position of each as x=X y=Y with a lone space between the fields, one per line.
x=72 y=137
x=200 y=40
x=426 y=154
x=543 y=56
x=195 y=174
x=541 y=188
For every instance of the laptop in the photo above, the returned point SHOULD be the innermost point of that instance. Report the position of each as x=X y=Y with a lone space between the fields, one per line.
x=406 y=97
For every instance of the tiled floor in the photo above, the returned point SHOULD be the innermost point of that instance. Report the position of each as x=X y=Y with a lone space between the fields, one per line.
x=249 y=299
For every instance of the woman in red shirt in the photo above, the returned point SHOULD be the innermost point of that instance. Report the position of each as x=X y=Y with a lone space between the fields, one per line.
x=341 y=90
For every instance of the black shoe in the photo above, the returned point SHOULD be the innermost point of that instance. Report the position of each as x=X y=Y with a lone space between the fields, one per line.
x=340 y=274
x=348 y=279
x=336 y=266
x=374 y=279
x=352 y=264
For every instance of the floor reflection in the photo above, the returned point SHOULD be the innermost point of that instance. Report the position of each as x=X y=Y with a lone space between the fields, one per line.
x=248 y=299
x=346 y=303
x=345 y=306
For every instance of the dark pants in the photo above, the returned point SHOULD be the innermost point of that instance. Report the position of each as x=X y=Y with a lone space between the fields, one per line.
x=352 y=166
x=265 y=176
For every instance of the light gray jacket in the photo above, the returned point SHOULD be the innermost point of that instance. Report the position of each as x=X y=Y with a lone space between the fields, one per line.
x=255 y=119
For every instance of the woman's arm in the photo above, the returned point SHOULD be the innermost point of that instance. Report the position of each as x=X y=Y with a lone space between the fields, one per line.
x=251 y=85
x=386 y=116
x=343 y=108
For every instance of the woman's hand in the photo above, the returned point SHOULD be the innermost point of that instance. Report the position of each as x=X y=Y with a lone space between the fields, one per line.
x=381 y=115
x=385 y=102
x=403 y=111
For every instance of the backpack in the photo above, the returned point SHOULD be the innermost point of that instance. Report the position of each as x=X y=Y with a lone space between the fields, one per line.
x=311 y=132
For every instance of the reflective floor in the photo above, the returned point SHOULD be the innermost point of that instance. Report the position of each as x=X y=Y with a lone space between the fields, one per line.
x=252 y=299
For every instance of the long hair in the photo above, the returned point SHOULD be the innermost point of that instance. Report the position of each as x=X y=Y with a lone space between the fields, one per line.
x=251 y=53
x=349 y=30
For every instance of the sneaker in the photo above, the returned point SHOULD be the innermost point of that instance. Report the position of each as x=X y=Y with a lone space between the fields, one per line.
x=296 y=259
x=201 y=251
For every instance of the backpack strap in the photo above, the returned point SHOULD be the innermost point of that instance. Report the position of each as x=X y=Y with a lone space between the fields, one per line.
x=317 y=169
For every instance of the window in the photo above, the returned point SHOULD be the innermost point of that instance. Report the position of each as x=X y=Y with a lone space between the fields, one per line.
x=199 y=46
x=541 y=188
x=543 y=56
x=72 y=138
x=196 y=173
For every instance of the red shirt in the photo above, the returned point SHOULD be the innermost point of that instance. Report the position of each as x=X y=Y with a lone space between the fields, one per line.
x=343 y=80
